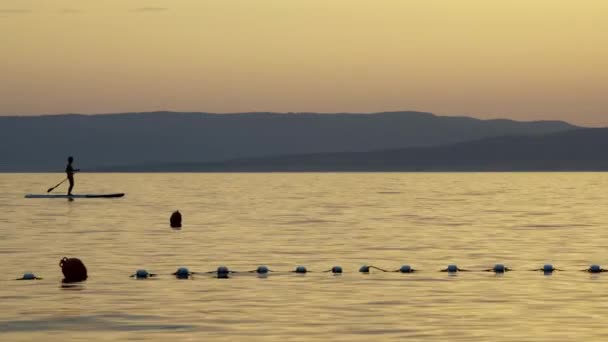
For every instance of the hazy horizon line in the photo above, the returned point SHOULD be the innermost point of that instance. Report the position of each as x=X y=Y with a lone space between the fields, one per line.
x=295 y=113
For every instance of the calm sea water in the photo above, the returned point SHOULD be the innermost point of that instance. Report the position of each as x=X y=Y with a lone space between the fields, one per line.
x=427 y=220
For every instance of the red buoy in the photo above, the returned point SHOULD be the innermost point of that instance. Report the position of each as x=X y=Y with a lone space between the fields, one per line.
x=73 y=270
x=176 y=219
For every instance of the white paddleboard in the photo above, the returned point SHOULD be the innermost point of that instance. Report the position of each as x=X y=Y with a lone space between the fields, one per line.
x=75 y=196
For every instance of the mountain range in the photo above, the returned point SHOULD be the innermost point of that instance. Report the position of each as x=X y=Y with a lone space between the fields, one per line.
x=575 y=150
x=153 y=141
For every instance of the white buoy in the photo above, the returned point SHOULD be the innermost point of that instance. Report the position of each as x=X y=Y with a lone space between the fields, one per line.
x=29 y=276
x=406 y=269
x=223 y=272
x=142 y=274
x=499 y=268
x=182 y=273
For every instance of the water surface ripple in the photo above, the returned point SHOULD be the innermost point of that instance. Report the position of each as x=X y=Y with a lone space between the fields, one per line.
x=427 y=220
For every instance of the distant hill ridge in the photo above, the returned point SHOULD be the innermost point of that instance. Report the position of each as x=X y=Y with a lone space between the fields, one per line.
x=576 y=150
x=41 y=143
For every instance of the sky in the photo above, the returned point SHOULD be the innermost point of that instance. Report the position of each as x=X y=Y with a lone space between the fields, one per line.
x=518 y=59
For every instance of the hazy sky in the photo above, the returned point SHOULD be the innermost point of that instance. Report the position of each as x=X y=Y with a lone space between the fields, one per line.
x=521 y=59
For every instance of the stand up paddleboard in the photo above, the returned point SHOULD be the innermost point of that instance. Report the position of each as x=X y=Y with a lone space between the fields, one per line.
x=116 y=195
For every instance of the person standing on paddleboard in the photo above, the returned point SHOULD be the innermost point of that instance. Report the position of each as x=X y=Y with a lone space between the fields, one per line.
x=70 y=170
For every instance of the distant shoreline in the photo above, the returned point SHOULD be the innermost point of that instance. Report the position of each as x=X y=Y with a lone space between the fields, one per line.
x=319 y=172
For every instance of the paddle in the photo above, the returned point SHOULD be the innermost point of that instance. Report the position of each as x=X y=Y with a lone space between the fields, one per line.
x=53 y=188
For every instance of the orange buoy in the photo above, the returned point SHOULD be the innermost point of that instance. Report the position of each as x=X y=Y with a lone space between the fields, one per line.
x=176 y=219
x=73 y=270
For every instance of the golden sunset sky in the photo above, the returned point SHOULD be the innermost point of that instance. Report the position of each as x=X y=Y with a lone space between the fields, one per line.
x=519 y=59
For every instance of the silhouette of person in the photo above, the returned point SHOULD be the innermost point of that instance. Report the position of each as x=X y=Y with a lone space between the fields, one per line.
x=70 y=170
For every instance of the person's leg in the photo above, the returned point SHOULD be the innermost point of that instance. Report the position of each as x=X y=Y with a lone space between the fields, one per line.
x=71 y=179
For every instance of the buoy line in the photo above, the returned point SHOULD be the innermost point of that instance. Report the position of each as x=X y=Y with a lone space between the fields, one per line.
x=75 y=271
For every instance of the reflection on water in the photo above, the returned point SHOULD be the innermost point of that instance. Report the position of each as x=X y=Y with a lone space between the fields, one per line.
x=428 y=221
